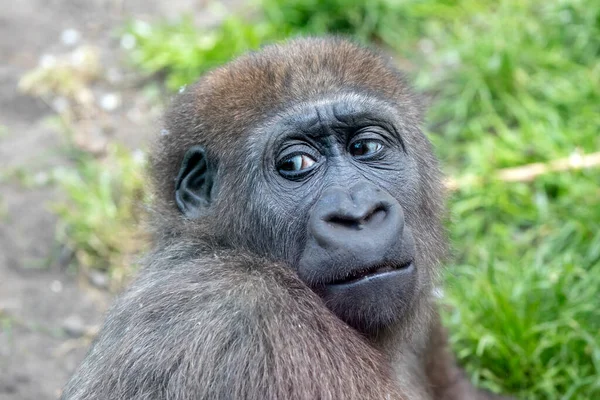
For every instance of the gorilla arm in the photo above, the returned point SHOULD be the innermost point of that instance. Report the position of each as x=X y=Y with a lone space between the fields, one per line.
x=223 y=326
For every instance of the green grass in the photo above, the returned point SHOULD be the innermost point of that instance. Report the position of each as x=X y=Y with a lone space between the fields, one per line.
x=183 y=53
x=524 y=300
x=524 y=87
x=100 y=221
x=512 y=82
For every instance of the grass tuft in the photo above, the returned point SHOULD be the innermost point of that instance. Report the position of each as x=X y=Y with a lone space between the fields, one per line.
x=100 y=221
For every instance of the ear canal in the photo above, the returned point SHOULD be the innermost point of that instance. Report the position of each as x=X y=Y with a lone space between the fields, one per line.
x=194 y=182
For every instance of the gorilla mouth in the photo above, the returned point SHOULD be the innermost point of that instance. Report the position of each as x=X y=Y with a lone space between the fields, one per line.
x=375 y=270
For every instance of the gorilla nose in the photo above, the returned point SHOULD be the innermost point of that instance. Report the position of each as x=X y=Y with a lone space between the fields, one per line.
x=362 y=222
x=354 y=233
x=358 y=219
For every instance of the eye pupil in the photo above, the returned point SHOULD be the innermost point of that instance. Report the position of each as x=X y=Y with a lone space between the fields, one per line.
x=292 y=164
x=364 y=147
x=359 y=148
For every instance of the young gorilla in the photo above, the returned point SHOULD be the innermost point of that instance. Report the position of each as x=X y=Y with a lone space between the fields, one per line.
x=297 y=238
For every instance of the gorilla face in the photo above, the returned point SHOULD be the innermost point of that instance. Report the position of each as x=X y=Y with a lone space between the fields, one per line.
x=338 y=169
x=329 y=187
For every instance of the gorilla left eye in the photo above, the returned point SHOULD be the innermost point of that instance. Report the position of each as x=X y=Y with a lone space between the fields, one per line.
x=365 y=147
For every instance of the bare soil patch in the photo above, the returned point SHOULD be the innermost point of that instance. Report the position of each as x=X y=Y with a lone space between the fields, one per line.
x=47 y=314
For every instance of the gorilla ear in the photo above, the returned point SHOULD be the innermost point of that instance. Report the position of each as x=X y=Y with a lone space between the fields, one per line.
x=194 y=182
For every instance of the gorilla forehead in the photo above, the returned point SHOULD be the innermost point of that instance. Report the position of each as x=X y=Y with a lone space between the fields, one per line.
x=318 y=118
x=261 y=84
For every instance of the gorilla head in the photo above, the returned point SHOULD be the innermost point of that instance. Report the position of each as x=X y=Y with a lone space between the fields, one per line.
x=311 y=154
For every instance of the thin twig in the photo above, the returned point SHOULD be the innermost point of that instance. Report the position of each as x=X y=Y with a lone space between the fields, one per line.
x=529 y=172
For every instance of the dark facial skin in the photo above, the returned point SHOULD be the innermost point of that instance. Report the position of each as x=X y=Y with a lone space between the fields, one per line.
x=340 y=167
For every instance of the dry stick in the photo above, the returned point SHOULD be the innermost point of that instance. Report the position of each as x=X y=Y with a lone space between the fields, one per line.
x=527 y=173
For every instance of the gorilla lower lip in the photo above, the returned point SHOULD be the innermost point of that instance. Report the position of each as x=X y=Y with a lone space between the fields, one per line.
x=376 y=270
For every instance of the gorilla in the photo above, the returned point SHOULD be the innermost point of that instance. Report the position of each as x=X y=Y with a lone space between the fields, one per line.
x=297 y=239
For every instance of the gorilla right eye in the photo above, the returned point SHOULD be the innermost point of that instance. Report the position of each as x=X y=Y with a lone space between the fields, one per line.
x=296 y=163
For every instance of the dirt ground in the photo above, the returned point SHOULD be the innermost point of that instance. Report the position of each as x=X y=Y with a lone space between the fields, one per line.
x=47 y=313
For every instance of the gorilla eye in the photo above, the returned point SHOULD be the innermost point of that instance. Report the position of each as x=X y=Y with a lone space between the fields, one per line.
x=365 y=147
x=296 y=163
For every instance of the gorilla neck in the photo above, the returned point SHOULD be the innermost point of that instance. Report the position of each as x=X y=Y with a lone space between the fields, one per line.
x=405 y=345
x=409 y=335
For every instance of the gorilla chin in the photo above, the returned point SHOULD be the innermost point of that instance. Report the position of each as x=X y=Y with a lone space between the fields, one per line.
x=372 y=298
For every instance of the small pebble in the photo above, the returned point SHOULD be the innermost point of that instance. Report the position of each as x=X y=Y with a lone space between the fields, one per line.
x=47 y=61
x=128 y=41
x=98 y=279
x=70 y=37
x=74 y=326
x=142 y=27
x=56 y=286
x=113 y=75
x=110 y=101
x=60 y=104
x=80 y=57
x=139 y=157
x=41 y=178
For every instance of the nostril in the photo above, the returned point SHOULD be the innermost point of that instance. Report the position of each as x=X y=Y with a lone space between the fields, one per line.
x=344 y=222
x=374 y=216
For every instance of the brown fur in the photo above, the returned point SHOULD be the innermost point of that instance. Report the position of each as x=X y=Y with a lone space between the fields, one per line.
x=209 y=319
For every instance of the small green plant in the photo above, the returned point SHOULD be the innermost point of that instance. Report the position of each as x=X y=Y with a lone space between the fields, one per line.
x=68 y=76
x=183 y=52
x=100 y=219
x=5 y=324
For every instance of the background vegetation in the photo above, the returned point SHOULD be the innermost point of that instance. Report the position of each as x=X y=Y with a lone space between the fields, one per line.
x=511 y=82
